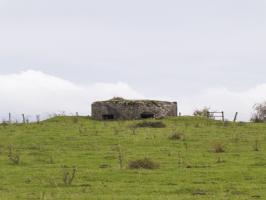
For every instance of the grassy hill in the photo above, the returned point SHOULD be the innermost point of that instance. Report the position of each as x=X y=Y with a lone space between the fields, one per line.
x=194 y=158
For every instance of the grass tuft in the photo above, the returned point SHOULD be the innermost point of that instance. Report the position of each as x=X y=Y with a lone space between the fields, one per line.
x=69 y=175
x=218 y=148
x=176 y=136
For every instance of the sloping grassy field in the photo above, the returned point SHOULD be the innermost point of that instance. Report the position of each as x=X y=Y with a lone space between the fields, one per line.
x=35 y=157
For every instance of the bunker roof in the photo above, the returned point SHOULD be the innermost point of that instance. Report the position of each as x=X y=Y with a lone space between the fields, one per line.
x=120 y=100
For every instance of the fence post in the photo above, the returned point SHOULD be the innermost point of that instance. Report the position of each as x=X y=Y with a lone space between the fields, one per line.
x=38 y=119
x=235 y=118
x=177 y=109
x=23 y=119
x=223 y=115
x=9 y=118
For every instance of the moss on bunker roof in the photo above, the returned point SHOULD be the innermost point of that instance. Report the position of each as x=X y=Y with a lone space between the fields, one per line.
x=120 y=100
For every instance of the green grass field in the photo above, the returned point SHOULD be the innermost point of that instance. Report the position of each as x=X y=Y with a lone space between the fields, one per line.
x=35 y=157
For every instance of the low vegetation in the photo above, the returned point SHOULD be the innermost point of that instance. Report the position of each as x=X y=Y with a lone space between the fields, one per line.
x=181 y=158
x=176 y=136
x=69 y=175
x=259 y=114
x=13 y=156
x=150 y=124
x=218 y=147
x=145 y=163
x=204 y=112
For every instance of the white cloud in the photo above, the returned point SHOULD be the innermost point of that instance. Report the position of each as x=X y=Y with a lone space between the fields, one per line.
x=34 y=92
x=223 y=99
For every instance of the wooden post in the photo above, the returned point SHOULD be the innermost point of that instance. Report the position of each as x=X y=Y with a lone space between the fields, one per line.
x=9 y=118
x=223 y=115
x=38 y=119
x=23 y=119
x=235 y=118
x=177 y=108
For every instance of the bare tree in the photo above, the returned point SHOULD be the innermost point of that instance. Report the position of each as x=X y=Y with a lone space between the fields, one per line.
x=204 y=112
x=259 y=114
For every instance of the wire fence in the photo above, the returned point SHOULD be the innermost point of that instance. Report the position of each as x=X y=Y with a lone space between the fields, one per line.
x=11 y=118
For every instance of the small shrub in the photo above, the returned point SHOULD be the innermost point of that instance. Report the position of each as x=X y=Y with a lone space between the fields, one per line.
x=176 y=136
x=218 y=148
x=117 y=99
x=145 y=163
x=69 y=175
x=256 y=119
x=75 y=119
x=259 y=113
x=150 y=124
x=188 y=166
x=256 y=145
x=204 y=112
x=13 y=157
x=219 y=160
x=197 y=125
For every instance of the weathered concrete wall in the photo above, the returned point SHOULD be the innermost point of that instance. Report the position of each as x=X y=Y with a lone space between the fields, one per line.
x=130 y=109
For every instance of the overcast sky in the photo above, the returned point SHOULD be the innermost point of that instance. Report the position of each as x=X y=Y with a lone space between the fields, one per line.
x=199 y=53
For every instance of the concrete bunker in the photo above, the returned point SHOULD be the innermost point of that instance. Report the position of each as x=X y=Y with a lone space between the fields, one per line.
x=124 y=109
